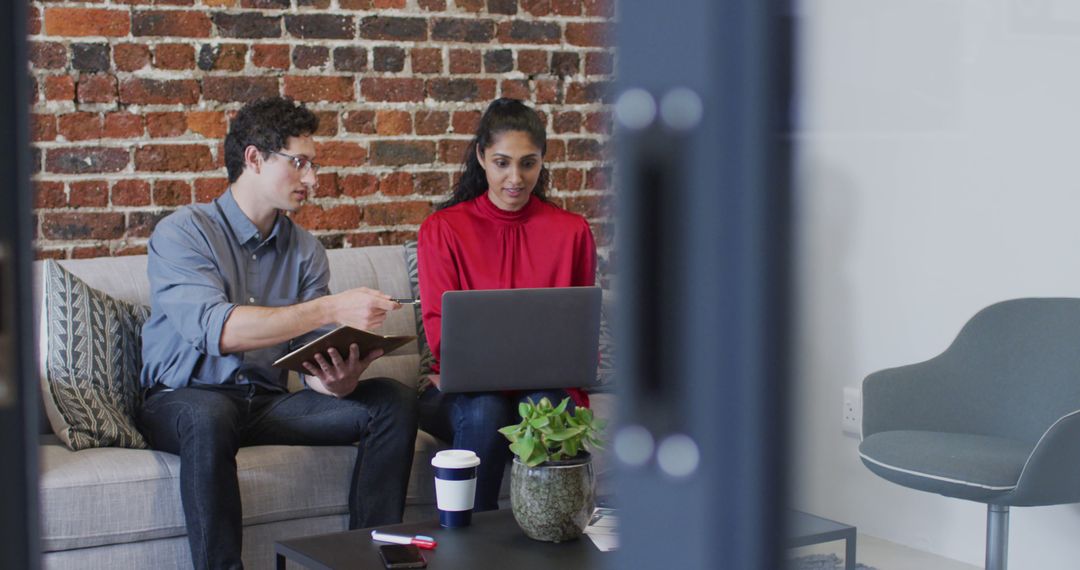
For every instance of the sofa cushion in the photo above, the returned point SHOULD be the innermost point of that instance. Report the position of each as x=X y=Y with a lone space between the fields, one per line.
x=105 y=496
x=427 y=359
x=91 y=379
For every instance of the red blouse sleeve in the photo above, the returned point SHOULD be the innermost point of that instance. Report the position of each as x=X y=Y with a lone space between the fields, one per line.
x=437 y=265
x=584 y=272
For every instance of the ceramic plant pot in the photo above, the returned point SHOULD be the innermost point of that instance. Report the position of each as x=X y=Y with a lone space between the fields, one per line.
x=554 y=500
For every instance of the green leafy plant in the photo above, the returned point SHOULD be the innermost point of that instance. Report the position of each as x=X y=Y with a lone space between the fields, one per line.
x=551 y=433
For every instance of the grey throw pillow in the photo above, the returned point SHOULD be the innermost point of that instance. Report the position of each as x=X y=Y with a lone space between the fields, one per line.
x=90 y=384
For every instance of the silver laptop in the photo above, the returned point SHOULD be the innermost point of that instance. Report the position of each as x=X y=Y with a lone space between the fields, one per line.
x=519 y=339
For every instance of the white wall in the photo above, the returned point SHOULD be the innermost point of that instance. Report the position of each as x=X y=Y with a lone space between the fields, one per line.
x=938 y=173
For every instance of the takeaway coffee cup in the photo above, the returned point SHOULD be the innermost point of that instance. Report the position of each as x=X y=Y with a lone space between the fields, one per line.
x=455 y=485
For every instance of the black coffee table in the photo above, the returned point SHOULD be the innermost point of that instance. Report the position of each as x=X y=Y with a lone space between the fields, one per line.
x=494 y=540
x=805 y=529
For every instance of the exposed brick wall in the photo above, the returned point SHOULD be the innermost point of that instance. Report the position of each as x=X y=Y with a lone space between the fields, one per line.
x=132 y=100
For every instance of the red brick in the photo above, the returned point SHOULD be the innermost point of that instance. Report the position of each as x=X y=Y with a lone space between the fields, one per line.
x=80 y=126
x=432 y=122
x=515 y=89
x=389 y=4
x=307 y=57
x=173 y=158
x=326 y=185
x=123 y=125
x=83 y=225
x=313 y=217
x=443 y=89
x=86 y=159
x=359 y=122
x=131 y=193
x=536 y=7
x=162 y=125
x=33 y=24
x=328 y=123
x=239 y=89
x=402 y=152
x=49 y=194
x=314 y=88
x=599 y=122
x=452 y=151
x=392 y=89
x=384 y=237
x=356 y=4
x=396 y=213
x=566 y=179
x=171 y=193
x=59 y=88
x=89 y=193
x=97 y=89
x=588 y=206
x=603 y=8
x=532 y=61
x=567 y=122
x=393 y=28
x=396 y=184
x=528 y=32
x=140 y=91
x=464 y=61
x=210 y=124
x=206 y=189
x=320 y=26
x=566 y=7
x=50 y=254
x=174 y=56
x=86 y=22
x=358 y=185
x=274 y=56
x=131 y=57
x=556 y=151
x=432 y=5
x=337 y=153
x=141 y=224
x=223 y=57
x=426 y=60
x=137 y=249
x=48 y=55
x=87 y=252
x=42 y=127
x=587 y=34
x=547 y=91
x=470 y=5
x=598 y=178
x=393 y=123
x=179 y=23
x=432 y=183
x=466 y=122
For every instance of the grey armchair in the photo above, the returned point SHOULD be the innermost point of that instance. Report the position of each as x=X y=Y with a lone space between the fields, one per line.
x=994 y=419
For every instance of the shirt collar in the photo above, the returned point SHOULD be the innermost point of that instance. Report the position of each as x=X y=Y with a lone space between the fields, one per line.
x=243 y=227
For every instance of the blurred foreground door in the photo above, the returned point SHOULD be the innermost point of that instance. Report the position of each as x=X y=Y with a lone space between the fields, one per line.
x=703 y=205
x=18 y=388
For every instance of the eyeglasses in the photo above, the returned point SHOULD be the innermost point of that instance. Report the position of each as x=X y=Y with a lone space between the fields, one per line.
x=300 y=163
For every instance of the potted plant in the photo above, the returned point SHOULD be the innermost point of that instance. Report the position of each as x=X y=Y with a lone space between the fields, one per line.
x=551 y=480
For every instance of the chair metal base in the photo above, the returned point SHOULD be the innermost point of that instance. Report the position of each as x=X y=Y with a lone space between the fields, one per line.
x=997 y=537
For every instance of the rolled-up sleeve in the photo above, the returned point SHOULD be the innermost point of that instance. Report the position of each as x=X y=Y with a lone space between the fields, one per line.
x=315 y=283
x=186 y=285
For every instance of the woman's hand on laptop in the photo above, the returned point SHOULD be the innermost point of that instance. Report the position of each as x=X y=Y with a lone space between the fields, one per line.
x=336 y=376
x=363 y=308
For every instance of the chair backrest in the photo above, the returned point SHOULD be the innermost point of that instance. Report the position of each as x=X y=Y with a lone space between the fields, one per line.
x=1014 y=368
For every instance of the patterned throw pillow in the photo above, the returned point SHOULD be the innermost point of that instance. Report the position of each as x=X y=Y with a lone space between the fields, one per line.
x=427 y=359
x=605 y=371
x=90 y=383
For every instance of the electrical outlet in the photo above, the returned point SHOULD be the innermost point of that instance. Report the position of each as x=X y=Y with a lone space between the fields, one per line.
x=851 y=415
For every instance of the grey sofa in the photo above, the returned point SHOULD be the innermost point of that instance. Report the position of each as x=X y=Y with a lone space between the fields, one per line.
x=120 y=508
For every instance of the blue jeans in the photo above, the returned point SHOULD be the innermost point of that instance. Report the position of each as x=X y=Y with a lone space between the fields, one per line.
x=206 y=425
x=471 y=421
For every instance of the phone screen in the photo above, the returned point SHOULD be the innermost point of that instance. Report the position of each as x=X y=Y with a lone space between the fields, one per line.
x=401 y=556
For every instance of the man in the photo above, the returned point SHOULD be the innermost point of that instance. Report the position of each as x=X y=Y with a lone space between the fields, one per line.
x=232 y=283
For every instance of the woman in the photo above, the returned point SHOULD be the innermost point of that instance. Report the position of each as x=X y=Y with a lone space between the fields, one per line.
x=497 y=231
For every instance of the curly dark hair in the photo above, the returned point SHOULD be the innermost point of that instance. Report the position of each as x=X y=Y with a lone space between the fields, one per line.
x=502 y=115
x=267 y=124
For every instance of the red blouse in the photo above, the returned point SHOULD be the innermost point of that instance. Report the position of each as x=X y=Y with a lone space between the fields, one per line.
x=475 y=245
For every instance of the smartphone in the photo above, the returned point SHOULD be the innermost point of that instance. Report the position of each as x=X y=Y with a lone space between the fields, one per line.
x=402 y=556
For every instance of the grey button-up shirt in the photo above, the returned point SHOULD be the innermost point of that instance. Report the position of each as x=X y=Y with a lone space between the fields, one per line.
x=204 y=261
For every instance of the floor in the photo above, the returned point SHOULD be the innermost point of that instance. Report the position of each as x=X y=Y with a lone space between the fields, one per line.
x=884 y=555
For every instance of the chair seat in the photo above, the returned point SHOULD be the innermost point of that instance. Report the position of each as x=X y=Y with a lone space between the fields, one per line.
x=966 y=466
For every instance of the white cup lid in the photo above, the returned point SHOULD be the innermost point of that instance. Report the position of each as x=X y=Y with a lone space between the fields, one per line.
x=455 y=459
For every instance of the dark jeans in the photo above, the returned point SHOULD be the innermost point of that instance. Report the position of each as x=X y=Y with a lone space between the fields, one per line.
x=471 y=421
x=206 y=425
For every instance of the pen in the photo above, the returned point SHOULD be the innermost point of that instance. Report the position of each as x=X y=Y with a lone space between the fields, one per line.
x=405 y=301
x=421 y=541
